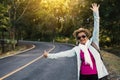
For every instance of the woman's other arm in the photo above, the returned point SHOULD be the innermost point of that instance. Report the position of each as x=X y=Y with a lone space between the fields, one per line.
x=95 y=36
x=68 y=53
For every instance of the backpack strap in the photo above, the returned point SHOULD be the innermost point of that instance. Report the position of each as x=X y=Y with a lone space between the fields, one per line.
x=96 y=47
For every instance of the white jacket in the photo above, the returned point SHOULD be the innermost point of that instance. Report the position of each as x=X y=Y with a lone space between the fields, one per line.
x=101 y=69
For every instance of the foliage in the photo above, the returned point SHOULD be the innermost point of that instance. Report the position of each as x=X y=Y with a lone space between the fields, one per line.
x=4 y=19
x=50 y=19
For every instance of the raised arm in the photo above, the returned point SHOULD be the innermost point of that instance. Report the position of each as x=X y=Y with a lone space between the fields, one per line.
x=95 y=36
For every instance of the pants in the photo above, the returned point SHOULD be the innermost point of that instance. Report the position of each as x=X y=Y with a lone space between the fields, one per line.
x=89 y=77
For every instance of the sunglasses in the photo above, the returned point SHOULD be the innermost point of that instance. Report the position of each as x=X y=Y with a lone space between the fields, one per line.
x=83 y=36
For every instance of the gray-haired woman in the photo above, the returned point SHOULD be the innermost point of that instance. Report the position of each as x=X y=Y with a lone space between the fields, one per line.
x=89 y=63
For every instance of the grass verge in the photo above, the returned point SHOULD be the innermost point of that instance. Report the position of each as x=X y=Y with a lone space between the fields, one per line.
x=112 y=62
x=17 y=50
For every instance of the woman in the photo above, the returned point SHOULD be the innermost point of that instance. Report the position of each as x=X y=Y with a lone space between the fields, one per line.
x=89 y=63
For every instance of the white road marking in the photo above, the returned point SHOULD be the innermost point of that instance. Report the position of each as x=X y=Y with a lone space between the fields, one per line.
x=22 y=67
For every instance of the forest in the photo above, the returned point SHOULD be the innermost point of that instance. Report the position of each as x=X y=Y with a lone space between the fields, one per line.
x=55 y=20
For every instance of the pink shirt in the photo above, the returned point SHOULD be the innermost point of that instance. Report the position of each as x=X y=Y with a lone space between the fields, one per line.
x=85 y=68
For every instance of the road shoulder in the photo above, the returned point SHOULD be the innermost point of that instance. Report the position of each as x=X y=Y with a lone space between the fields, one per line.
x=22 y=48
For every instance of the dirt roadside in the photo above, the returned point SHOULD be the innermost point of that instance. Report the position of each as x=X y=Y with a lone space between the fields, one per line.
x=19 y=49
x=112 y=62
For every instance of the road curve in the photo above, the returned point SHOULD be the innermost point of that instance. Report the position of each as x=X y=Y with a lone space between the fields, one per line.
x=41 y=69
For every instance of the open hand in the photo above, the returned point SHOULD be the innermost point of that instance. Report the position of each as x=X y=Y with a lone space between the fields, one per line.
x=95 y=7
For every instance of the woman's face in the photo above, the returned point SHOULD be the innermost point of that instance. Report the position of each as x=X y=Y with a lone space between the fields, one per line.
x=82 y=38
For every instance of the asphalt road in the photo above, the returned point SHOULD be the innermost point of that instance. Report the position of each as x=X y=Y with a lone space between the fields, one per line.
x=41 y=69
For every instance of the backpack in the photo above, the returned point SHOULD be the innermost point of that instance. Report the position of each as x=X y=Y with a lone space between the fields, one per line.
x=96 y=47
